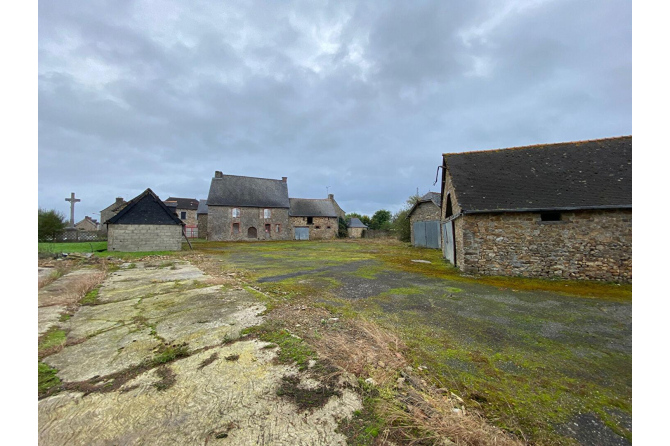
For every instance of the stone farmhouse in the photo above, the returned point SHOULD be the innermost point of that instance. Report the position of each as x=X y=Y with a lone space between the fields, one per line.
x=315 y=219
x=355 y=227
x=186 y=210
x=247 y=208
x=201 y=213
x=424 y=219
x=144 y=224
x=556 y=210
x=87 y=224
x=111 y=211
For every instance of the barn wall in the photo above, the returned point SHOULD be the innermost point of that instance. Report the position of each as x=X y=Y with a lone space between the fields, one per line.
x=134 y=238
x=594 y=245
x=202 y=226
x=327 y=227
x=220 y=224
x=355 y=232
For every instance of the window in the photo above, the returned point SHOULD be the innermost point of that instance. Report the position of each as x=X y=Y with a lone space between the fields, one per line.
x=327 y=227
x=550 y=216
x=183 y=215
x=277 y=228
x=317 y=227
x=310 y=220
x=268 y=229
x=448 y=212
x=267 y=213
x=236 y=212
x=236 y=228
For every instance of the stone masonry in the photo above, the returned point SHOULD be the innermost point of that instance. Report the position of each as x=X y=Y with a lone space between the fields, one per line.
x=202 y=226
x=594 y=245
x=138 y=238
x=426 y=211
x=322 y=228
x=221 y=221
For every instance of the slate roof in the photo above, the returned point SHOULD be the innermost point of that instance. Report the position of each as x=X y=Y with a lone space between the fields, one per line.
x=308 y=207
x=434 y=197
x=232 y=190
x=202 y=208
x=190 y=204
x=354 y=222
x=116 y=205
x=593 y=174
x=145 y=209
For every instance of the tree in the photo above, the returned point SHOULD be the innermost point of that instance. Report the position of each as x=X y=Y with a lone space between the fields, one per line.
x=363 y=218
x=381 y=220
x=50 y=224
x=401 y=223
x=342 y=228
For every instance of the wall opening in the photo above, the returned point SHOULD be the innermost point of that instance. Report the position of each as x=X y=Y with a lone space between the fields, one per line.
x=550 y=216
x=268 y=229
x=310 y=220
x=448 y=211
x=236 y=228
x=252 y=233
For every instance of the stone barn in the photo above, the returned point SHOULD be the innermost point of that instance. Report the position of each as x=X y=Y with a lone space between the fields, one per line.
x=552 y=211
x=424 y=221
x=355 y=228
x=202 y=219
x=315 y=219
x=247 y=208
x=144 y=224
x=111 y=211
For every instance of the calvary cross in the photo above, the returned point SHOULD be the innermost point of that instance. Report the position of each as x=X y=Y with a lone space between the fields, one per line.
x=72 y=201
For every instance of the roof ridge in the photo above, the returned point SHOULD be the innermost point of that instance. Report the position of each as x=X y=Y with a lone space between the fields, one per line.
x=246 y=176
x=538 y=145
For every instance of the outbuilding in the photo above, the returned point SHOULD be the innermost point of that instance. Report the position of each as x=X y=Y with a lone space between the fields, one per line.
x=315 y=219
x=355 y=227
x=424 y=220
x=552 y=211
x=145 y=224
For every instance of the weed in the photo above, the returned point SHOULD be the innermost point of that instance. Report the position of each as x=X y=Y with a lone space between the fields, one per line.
x=51 y=342
x=46 y=378
x=291 y=348
x=208 y=361
x=232 y=357
x=169 y=353
x=91 y=297
x=305 y=398
x=167 y=378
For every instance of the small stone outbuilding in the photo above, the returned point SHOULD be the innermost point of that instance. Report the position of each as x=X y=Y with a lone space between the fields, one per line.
x=424 y=220
x=247 y=209
x=355 y=228
x=145 y=224
x=202 y=219
x=111 y=211
x=315 y=219
x=552 y=211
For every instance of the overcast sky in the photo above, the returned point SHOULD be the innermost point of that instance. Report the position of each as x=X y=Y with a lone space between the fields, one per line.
x=357 y=98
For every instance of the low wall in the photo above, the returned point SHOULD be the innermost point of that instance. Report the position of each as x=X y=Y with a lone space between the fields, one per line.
x=134 y=238
x=592 y=245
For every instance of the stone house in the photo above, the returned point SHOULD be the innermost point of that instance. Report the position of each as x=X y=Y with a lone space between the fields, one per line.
x=145 y=224
x=202 y=219
x=424 y=221
x=87 y=224
x=355 y=228
x=315 y=219
x=555 y=210
x=186 y=209
x=111 y=211
x=248 y=208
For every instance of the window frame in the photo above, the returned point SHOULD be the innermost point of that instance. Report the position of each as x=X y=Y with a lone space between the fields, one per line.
x=236 y=212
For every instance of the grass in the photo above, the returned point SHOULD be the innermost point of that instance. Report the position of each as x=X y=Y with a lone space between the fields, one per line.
x=52 y=340
x=46 y=378
x=292 y=350
x=71 y=247
x=91 y=297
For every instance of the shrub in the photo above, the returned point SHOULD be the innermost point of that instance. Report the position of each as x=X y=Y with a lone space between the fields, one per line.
x=50 y=224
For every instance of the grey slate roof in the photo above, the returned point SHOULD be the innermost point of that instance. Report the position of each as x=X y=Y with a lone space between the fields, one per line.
x=593 y=174
x=190 y=204
x=202 y=208
x=307 y=207
x=118 y=204
x=354 y=222
x=232 y=190
x=145 y=209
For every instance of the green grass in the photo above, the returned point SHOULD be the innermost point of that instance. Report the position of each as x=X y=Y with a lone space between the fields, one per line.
x=291 y=349
x=91 y=297
x=53 y=338
x=46 y=378
x=71 y=247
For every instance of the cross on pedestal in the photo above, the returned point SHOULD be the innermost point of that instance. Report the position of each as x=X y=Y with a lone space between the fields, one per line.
x=72 y=201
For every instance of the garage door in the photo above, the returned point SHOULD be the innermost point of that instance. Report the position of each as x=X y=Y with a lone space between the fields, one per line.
x=427 y=234
x=302 y=233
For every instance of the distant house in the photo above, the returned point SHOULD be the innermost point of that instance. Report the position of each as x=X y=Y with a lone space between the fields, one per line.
x=555 y=210
x=111 y=211
x=315 y=219
x=355 y=228
x=186 y=209
x=144 y=224
x=248 y=208
x=87 y=224
x=202 y=219
x=424 y=218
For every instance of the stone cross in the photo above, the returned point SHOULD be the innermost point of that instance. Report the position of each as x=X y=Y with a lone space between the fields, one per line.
x=72 y=201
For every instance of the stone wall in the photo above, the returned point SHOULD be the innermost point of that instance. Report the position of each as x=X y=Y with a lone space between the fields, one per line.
x=426 y=211
x=355 y=232
x=202 y=226
x=594 y=245
x=134 y=238
x=220 y=223
x=322 y=228
x=191 y=217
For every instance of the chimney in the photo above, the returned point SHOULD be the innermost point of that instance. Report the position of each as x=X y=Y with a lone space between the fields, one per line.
x=119 y=200
x=284 y=179
x=331 y=197
x=218 y=174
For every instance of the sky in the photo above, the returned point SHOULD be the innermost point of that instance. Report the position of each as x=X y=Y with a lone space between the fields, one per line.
x=357 y=99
